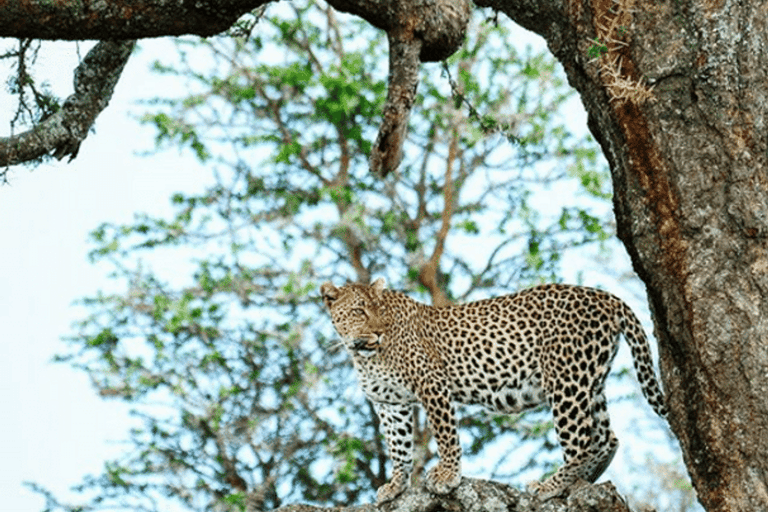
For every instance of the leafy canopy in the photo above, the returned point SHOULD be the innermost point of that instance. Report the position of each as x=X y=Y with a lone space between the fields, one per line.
x=216 y=334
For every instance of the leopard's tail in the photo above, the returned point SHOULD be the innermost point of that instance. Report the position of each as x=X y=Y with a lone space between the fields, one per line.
x=641 y=356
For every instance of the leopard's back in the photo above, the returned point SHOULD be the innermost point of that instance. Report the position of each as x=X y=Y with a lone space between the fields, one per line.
x=499 y=350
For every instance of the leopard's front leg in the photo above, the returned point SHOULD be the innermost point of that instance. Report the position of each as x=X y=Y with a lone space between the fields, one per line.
x=435 y=397
x=397 y=425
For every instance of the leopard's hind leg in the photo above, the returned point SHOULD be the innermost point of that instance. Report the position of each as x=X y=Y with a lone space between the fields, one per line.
x=574 y=427
x=584 y=432
x=604 y=442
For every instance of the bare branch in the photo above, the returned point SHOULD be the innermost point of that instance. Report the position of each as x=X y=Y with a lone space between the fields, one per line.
x=64 y=131
x=428 y=274
x=422 y=31
x=439 y=24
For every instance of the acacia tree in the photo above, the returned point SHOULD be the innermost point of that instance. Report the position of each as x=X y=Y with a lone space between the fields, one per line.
x=675 y=92
x=244 y=402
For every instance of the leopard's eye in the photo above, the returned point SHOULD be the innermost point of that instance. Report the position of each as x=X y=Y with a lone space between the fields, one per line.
x=358 y=311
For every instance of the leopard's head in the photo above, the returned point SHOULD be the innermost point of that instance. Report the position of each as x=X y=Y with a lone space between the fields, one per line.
x=358 y=313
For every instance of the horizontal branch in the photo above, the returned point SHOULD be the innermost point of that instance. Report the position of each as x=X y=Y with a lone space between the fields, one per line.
x=482 y=495
x=119 y=19
x=418 y=31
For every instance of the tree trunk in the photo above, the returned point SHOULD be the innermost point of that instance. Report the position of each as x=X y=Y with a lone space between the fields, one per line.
x=677 y=93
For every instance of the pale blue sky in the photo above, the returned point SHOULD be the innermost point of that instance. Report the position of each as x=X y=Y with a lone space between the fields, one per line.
x=55 y=429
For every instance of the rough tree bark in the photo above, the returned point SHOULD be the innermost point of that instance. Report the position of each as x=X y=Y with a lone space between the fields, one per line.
x=422 y=31
x=117 y=24
x=482 y=496
x=77 y=21
x=677 y=94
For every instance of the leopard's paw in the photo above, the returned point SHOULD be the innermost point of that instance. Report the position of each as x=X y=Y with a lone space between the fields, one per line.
x=391 y=490
x=534 y=487
x=552 y=488
x=442 y=480
x=545 y=490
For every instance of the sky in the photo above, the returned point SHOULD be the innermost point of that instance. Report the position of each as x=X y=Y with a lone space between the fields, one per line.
x=55 y=429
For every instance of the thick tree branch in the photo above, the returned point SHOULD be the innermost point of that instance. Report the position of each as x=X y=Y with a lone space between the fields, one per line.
x=427 y=30
x=481 y=496
x=63 y=132
x=438 y=24
x=42 y=19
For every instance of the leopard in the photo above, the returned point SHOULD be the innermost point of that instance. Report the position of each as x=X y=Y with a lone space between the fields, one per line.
x=547 y=345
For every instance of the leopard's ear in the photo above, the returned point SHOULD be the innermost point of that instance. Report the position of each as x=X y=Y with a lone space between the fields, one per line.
x=379 y=285
x=329 y=293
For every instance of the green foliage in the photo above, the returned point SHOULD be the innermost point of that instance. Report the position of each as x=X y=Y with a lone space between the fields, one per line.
x=218 y=337
x=171 y=129
x=597 y=49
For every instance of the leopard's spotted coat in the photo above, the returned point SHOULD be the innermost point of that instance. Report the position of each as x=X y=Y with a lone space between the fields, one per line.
x=549 y=344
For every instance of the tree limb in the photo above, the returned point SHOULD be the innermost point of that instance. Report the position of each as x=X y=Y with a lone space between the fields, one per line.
x=439 y=24
x=64 y=131
x=482 y=495
x=403 y=81
x=43 y=19
x=417 y=32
